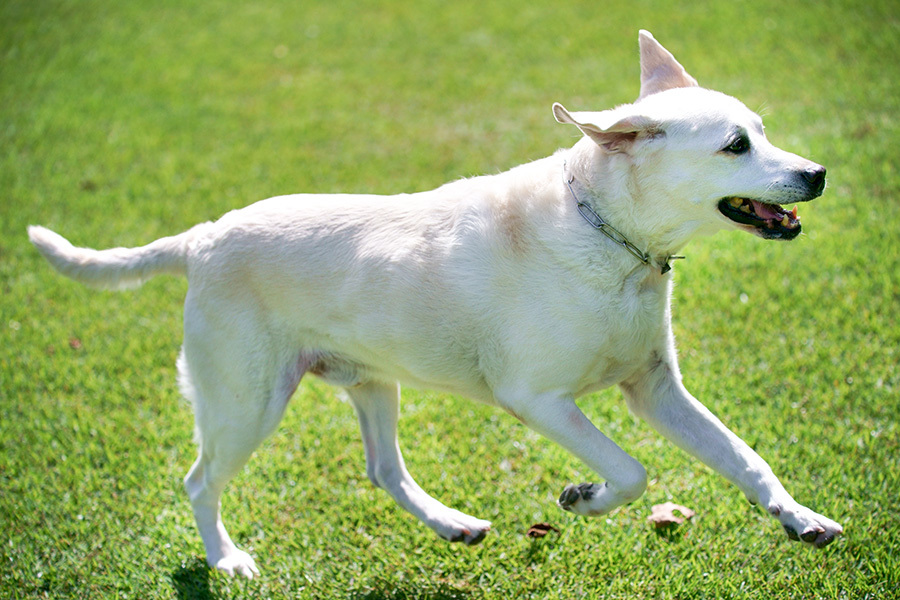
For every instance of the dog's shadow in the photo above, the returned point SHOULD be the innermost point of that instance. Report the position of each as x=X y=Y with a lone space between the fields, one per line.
x=191 y=581
x=441 y=591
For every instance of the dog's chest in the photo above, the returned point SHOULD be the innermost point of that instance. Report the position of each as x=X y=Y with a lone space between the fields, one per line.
x=621 y=336
x=591 y=338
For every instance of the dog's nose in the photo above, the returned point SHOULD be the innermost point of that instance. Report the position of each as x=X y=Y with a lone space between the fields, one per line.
x=815 y=177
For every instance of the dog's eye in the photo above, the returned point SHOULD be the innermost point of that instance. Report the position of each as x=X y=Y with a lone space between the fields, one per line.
x=739 y=145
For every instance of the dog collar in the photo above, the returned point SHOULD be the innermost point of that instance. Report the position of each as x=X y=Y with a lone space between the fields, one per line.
x=597 y=222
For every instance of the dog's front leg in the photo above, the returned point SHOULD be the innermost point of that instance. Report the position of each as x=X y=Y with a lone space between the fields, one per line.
x=558 y=418
x=658 y=396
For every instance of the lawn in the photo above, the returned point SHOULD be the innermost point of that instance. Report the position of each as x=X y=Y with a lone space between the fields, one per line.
x=121 y=122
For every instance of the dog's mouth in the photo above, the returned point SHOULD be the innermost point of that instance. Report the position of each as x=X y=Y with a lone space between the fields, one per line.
x=769 y=221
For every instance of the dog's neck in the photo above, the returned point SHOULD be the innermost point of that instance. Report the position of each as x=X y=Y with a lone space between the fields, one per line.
x=583 y=201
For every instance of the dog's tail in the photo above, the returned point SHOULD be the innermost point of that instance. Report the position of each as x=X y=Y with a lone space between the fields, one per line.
x=116 y=268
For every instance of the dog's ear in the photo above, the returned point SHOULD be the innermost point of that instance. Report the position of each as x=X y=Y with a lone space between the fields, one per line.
x=612 y=130
x=659 y=69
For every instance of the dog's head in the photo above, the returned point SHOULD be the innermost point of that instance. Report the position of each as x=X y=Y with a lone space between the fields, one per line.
x=693 y=160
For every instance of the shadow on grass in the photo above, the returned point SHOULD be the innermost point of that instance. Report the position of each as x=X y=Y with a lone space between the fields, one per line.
x=384 y=590
x=670 y=533
x=191 y=581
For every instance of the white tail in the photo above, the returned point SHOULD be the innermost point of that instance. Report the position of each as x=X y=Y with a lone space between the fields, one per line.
x=116 y=268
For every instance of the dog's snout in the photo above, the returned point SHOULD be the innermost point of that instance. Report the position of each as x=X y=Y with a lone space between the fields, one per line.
x=815 y=177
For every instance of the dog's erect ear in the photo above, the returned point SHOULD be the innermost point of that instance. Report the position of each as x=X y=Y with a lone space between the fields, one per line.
x=659 y=69
x=612 y=130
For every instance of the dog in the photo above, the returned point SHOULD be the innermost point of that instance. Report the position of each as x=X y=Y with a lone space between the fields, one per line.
x=524 y=290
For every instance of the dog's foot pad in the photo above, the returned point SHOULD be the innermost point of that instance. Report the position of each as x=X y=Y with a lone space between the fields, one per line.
x=803 y=525
x=577 y=493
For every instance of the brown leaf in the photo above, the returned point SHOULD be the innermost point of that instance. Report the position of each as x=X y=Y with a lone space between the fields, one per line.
x=74 y=343
x=539 y=530
x=663 y=515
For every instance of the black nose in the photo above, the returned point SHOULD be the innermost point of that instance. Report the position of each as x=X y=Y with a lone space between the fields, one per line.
x=815 y=177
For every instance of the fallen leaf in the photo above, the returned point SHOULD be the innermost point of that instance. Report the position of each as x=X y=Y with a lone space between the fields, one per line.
x=539 y=530
x=74 y=343
x=663 y=515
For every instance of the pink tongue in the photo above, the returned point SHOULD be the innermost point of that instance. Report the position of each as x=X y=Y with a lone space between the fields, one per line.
x=765 y=211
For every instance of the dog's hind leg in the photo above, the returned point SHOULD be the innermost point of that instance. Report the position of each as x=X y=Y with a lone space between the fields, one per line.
x=378 y=408
x=239 y=395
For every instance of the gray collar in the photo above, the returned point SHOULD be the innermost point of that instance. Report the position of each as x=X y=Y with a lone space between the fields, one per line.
x=597 y=222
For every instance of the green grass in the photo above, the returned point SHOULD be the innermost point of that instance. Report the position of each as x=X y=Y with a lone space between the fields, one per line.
x=124 y=121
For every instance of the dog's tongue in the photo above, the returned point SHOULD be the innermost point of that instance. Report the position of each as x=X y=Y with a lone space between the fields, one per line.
x=766 y=211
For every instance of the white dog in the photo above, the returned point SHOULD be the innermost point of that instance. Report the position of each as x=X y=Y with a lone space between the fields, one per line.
x=524 y=290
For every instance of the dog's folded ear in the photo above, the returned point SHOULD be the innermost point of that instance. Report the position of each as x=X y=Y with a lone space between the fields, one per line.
x=659 y=69
x=613 y=130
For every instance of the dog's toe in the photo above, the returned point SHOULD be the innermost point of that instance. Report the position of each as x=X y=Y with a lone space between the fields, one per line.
x=568 y=497
x=476 y=536
x=576 y=493
x=824 y=539
x=809 y=536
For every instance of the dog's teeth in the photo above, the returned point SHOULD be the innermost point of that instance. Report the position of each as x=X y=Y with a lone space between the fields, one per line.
x=746 y=208
x=786 y=221
x=736 y=202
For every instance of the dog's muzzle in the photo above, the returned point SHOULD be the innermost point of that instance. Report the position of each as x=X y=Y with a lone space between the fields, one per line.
x=773 y=221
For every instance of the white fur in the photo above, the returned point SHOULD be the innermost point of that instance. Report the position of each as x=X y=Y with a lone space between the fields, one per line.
x=494 y=287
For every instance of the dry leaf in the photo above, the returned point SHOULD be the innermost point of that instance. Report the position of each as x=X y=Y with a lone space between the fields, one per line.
x=663 y=515
x=539 y=530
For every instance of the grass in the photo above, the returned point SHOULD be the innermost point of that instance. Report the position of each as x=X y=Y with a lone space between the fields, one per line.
x=123 y=122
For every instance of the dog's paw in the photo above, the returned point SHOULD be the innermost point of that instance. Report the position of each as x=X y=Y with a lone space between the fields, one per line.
x=590 y=499
x=595 y=499
x=802 y=524
x=460 y=527
x=237 y=562
x=577 y=498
